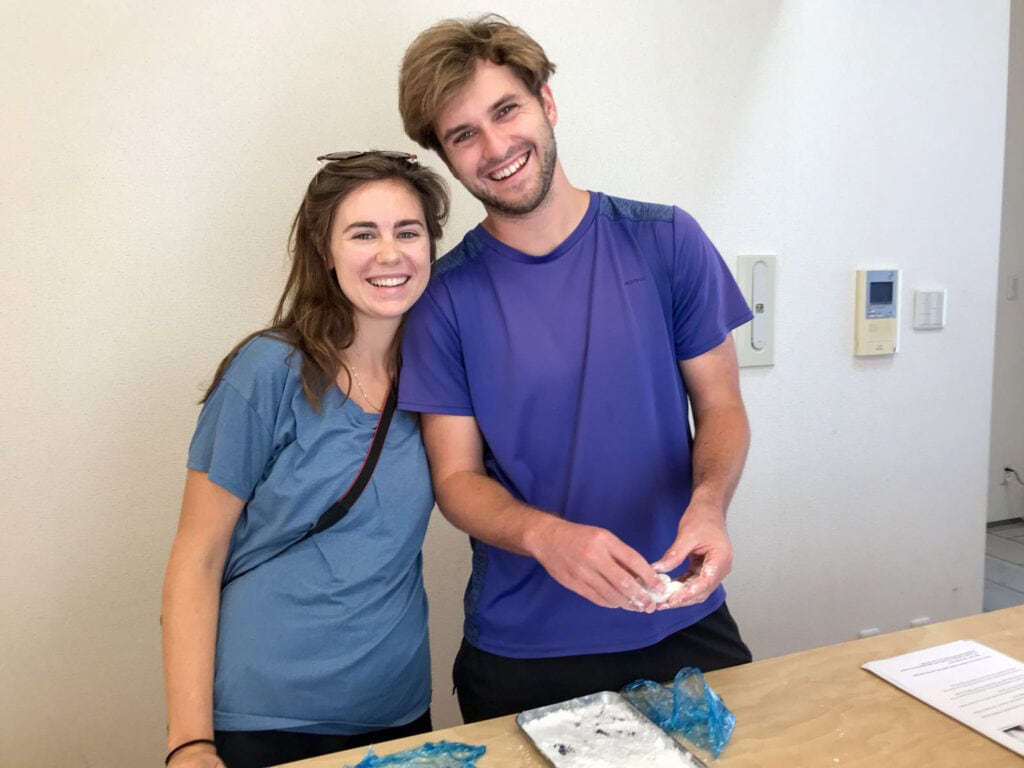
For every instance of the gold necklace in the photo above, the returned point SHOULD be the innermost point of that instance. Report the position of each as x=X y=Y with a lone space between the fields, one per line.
x=366 y=397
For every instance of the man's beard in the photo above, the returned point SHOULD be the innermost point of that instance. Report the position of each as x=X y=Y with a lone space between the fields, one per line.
x=529 y=205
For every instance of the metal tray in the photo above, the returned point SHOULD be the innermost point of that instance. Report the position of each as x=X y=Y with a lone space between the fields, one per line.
x=602 y=729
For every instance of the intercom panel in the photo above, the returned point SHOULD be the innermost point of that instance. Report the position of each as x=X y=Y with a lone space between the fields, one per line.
x=876 y=314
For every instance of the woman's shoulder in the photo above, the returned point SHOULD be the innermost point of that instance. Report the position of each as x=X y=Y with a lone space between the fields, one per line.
x=267 y=346
x=266 y=358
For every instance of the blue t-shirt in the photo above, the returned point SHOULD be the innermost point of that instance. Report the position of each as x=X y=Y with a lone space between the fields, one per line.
x=331 y=636
x=568 y=362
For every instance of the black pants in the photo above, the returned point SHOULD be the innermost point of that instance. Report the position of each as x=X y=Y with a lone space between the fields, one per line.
x=491 y=686
x=258 y=749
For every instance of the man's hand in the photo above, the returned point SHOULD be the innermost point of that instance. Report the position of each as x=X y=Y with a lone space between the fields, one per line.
x=701 y=536
x=595 y=564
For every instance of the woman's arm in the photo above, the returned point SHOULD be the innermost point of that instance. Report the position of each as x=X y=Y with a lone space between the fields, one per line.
x=189 y=613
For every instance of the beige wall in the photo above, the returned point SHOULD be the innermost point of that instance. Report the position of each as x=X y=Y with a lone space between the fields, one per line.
x=151 y=159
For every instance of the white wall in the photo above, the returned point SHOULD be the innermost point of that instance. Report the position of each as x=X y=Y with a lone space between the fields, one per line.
x=153 y=157
x=1006 y=500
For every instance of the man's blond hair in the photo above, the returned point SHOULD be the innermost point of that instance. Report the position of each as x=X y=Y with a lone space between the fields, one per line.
x=443 y=58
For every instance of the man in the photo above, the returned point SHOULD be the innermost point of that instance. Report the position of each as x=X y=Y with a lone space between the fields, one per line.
x=552 y=358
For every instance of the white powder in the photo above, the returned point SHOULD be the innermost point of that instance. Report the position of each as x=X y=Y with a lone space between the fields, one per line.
x=671 y=587
x=606 y=733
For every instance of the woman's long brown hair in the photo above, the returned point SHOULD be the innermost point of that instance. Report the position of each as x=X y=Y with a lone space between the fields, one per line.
x=313 y=315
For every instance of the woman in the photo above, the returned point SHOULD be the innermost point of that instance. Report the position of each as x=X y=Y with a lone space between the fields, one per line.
x=279 y=645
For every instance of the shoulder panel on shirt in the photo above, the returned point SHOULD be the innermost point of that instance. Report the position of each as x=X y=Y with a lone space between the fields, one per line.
x=468 y=250
x=620 y=208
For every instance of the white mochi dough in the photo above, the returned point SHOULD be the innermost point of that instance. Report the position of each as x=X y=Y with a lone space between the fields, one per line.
x=671 y=587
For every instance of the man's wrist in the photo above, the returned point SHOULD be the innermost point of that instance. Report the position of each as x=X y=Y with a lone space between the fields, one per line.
x=538 y=531
x=707 y=502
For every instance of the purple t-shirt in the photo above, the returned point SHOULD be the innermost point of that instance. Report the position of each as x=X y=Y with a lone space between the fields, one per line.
x=568 y=362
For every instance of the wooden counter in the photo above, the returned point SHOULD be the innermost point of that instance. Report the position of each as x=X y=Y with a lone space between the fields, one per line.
x=814 y=708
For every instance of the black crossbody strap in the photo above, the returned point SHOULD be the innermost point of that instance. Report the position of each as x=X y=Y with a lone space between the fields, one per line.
x=341 y=507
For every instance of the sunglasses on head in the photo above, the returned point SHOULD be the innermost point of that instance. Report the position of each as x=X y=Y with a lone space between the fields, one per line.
x=352 y=154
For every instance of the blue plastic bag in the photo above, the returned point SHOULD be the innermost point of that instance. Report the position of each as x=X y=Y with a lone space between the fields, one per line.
x=689 y=707
x=441 y=754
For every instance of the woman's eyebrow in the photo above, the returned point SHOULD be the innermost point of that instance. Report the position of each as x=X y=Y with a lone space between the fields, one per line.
x=374 y=225
x=361 y=225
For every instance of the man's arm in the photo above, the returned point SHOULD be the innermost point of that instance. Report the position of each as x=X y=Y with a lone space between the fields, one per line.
x=590 y=561
x=721 y=439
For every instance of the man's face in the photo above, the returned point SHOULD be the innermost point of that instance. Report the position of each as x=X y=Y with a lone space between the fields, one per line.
x=498 y=140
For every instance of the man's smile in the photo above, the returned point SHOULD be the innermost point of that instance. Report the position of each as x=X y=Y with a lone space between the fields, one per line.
x=511 y=168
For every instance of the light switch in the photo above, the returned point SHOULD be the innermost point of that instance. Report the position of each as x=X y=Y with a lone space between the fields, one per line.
x=930 y=309
x=755 y=341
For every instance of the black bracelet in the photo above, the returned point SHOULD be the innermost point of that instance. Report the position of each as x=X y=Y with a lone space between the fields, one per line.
x=180 y=747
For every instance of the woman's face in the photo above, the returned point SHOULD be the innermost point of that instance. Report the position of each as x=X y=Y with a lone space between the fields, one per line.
x=380 y=250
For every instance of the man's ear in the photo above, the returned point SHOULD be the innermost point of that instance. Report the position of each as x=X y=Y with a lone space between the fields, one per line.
x=547 y=100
